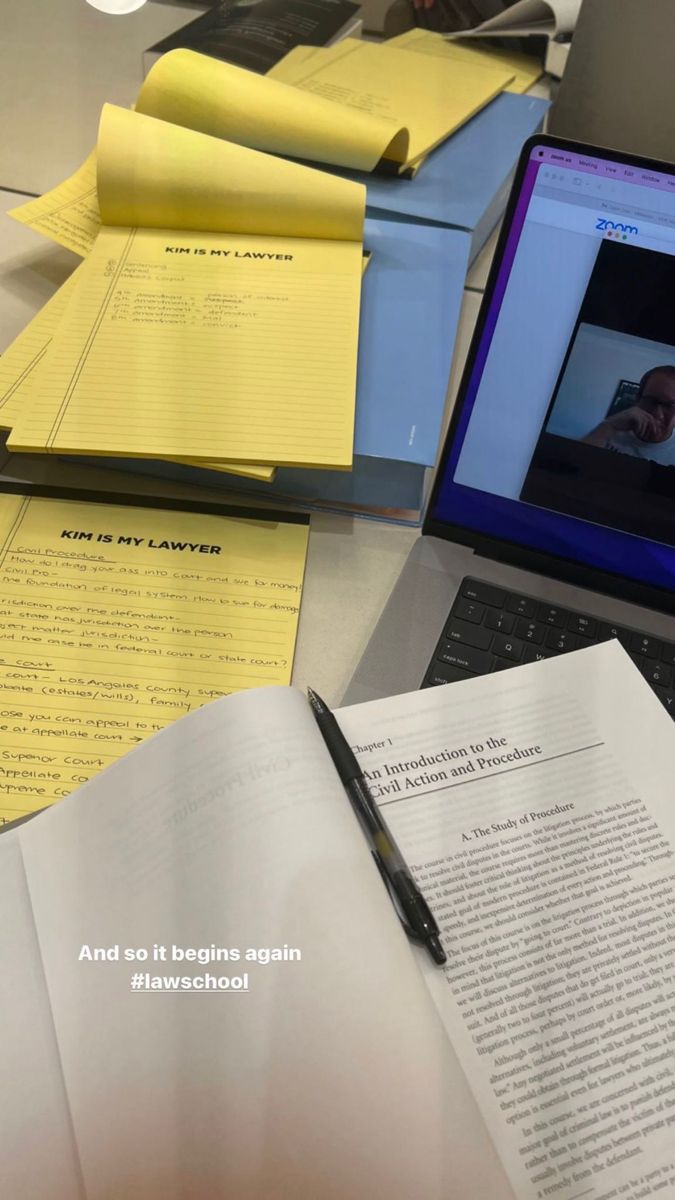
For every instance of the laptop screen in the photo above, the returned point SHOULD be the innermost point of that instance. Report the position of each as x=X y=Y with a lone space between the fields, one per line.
x=563 y=439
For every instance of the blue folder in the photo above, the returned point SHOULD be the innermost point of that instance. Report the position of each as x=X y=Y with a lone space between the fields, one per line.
x=466 y=181
x=412 y=293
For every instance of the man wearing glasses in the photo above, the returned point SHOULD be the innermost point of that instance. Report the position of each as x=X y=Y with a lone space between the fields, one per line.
x=647 y=428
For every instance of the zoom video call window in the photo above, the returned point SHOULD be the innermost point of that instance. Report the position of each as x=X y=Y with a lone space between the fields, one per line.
x=566 y=438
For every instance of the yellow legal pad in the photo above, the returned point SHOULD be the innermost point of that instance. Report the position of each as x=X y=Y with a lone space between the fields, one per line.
x=431 y=96
x=23 y=355
x=69 y=215
x=254 y=110
x=225 y=328
x=114 y=621
x=525 y=69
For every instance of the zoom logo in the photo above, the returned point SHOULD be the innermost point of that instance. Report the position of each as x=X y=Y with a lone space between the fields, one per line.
x=603 y=224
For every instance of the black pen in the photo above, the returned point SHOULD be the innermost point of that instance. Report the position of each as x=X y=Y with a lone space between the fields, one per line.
x=417 y=919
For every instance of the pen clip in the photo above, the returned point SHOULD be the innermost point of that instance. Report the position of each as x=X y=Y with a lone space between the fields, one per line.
x=392 y=896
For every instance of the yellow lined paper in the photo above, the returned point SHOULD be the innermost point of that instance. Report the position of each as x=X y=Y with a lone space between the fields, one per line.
x=228 y=102
x=158 y=175
x=137 y=371
x=205 y=346
x=433 y=96
x=285 y=68
x=24 y=354
x=18 y=364
x=525 y=69
x=124 y=633
x=69 y=213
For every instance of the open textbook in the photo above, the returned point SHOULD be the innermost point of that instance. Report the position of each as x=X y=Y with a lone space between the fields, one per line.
x=323 y=1059
x=222 y=291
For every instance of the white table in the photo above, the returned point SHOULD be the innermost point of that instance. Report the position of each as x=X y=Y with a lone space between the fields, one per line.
x=60 y=60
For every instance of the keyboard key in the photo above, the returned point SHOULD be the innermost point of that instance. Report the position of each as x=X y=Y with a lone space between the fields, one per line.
x=657 y=673
x=586 y=626
x=507 y=647
x=530 y=631
x=465 y=657
x=561 y=641
x=641 y=643
x=551 y=616
x=537 y=653
x=501 y=621
x=469 y=611
x=585 y=641
x=522 y=606
x=483 y=593
x=607 y=631
x=489 y=629
x=468 y=635
x=667 y=699
x=440 y=673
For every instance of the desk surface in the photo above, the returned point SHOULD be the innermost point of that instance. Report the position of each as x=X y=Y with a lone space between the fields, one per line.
x=352 y=563
x=60 y=60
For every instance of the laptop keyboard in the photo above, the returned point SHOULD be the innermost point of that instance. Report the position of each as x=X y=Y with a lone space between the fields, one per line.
x=490 y=629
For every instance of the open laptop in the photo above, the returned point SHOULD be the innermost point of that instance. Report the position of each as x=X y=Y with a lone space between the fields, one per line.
x=551 y=523
x=617 y=88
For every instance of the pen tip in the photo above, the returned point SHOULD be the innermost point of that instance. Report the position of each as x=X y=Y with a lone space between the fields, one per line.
x=436 y=950
x=315 y=701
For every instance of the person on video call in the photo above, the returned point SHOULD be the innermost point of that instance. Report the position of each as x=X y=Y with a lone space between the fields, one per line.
x=647 y=428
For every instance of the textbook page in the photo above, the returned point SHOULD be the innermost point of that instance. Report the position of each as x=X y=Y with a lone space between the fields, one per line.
x=321 y=1072
x=214 y=97
x=535 y=808
x=206 y=346
x=432 y=95
x=114 y=621
x=542 y=17
x=525 y=69
x=37 y=1135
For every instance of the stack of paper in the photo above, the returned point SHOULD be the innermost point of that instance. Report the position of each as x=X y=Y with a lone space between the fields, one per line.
x=525 y=69
x=214 y=324
x=215 y=319
x=433 y=95
x=216 y=315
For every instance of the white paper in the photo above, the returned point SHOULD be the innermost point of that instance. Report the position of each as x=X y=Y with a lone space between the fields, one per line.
x=330 y=1078
x=548 y=17
x=37 y=1138
x=536 y=809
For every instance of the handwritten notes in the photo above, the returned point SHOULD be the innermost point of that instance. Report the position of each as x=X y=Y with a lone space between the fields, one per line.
x=204 y=346
x=116 y=620
x=431 y=95
x=20 y=361
x=69 y=213
x=525 y=69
